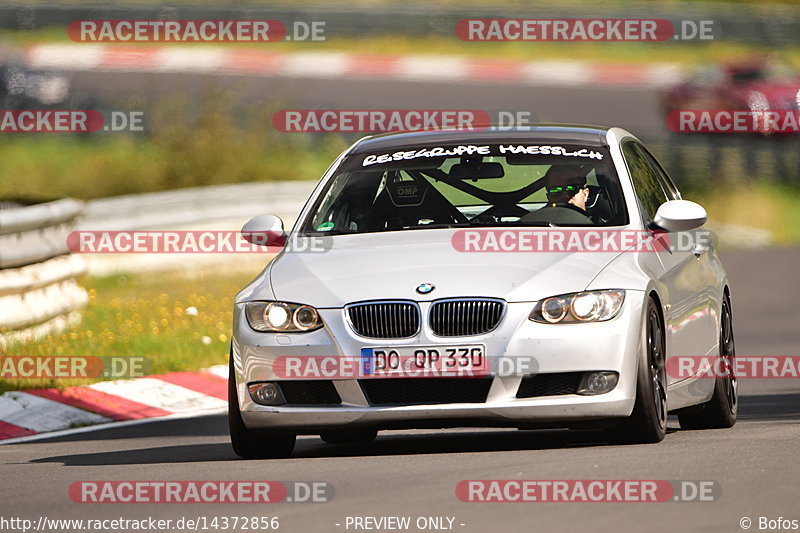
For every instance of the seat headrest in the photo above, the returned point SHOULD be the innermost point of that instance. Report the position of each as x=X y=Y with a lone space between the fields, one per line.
x=406 y=193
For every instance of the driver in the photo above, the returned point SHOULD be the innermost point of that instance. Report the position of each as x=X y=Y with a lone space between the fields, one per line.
x=566 y=184
x=567 y=193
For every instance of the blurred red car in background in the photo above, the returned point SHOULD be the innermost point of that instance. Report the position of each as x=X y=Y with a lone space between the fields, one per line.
x=753 y=84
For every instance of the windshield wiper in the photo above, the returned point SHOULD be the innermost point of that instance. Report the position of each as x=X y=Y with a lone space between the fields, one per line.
x=537 y=224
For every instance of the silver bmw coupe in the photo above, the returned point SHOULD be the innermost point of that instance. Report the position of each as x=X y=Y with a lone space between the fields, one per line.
x=540 y=277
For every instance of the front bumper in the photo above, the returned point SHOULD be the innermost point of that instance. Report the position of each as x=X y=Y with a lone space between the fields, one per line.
x=517 y=348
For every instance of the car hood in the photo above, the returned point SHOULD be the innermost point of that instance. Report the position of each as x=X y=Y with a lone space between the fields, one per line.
x=392 y=265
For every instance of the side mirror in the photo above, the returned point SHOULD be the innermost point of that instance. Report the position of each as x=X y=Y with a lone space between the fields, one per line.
x=680 y=215
x=264 y=230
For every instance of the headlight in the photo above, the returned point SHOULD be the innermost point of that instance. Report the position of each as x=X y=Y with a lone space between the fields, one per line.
x=275 y=317
x=591 y=306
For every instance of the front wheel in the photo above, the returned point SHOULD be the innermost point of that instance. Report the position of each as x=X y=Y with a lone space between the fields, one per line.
x=248 y=443
x=648 y=422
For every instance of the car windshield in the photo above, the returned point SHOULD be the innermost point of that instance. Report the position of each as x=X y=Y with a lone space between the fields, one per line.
x=454 y=186
x=773 y=72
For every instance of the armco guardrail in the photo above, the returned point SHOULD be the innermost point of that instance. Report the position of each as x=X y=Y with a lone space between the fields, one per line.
x=190 y=206
x=39 y=293
x=216 y=207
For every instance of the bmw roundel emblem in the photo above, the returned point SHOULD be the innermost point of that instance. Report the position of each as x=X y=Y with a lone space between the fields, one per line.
x=425 y=288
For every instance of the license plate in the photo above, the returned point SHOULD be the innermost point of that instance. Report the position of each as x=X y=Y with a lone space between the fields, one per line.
x=422 y=361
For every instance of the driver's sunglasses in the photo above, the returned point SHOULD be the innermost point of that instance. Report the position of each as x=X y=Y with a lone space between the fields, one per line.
x=573 y=187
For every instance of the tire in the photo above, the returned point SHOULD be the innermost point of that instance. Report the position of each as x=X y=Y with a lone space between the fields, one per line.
x=648 y=422
x=248 y=443
x=722 y=409
x=348 y=436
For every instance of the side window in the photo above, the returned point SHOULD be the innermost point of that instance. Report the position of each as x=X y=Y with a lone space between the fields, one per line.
x=663 y=179
x=328 y=211
x=645 y=182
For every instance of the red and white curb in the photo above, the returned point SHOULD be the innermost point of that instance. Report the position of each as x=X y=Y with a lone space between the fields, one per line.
x=428 y=68
x=38 y=413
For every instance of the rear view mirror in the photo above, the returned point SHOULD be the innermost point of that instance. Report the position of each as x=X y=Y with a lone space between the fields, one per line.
x=680 y=215
x=264 y=230
x=479 y=171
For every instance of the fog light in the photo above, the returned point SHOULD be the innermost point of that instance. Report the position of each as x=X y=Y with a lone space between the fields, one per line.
x=598 y=383
x=266 y=393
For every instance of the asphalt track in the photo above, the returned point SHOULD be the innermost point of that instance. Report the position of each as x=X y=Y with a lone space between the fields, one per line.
x=633 y=108
x=414 y=473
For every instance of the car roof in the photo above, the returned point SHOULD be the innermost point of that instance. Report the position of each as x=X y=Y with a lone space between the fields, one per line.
x=562 y=133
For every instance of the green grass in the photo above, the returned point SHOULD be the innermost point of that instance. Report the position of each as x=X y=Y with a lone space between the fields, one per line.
x=183 y=148
x=47 y=168
x=763 y=205
x=144 y=315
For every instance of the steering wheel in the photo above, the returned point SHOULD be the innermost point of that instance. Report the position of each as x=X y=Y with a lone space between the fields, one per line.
x=557 y=214
x=501 y=210
x=573 y=208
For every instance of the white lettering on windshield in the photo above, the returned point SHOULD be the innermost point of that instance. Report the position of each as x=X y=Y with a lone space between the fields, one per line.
x=425 y=152
x=438 y=151
x=549 y=150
